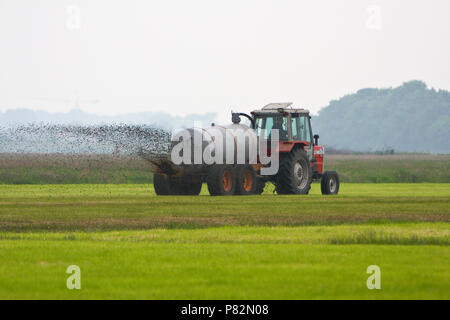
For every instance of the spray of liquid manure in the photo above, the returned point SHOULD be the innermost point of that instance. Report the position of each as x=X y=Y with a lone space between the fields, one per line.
x=96 y=139
x=61 y=153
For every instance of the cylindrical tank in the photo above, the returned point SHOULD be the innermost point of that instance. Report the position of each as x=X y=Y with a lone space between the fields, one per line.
x=231 y=144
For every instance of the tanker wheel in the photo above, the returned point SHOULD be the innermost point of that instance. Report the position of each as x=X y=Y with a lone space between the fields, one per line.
x=161 y=183
x=221 y=180
x=260 y=185
x=245 y=180
x=295 y=173
x=195 y=188
x=165 y=186
x=330 y=183
x=186 y=188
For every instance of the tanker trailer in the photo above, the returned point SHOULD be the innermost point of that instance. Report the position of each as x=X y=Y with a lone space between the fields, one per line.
x=238 y=160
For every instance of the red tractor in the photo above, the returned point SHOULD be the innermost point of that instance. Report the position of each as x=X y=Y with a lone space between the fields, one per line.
x=301 y=159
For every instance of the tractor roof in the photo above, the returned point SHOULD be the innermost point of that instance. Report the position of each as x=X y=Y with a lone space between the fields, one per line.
x=280 y=107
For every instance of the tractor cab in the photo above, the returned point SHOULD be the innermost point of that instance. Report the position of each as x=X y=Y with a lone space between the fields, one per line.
x=293 y=125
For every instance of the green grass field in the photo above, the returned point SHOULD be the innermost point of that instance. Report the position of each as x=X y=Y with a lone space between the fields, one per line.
x=131 y=244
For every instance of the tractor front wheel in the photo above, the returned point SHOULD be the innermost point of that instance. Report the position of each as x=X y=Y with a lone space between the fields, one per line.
x=330 y=183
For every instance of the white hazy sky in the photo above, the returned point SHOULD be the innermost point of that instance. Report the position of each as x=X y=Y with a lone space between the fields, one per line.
x=214 y=56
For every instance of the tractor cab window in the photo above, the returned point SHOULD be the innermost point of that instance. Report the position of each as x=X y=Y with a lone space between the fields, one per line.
x=300 y=128
x=265 y=124
x=296 y=134
x=304 y=122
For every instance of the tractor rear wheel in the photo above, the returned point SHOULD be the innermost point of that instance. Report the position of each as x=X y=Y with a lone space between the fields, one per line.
x=221 y=180
x=295 y=173
x=245 y=180
x=330 y=183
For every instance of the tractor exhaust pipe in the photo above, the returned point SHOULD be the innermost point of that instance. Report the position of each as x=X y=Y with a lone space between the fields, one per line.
x=316 y=139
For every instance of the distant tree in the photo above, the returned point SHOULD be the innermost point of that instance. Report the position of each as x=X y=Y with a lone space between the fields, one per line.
x=409 y=118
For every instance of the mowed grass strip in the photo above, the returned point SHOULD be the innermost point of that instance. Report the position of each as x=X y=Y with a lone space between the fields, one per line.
x=404 y=234
x=229 y=263
x=121 y=207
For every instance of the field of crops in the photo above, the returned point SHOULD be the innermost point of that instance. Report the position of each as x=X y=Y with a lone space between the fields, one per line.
x=130 y=243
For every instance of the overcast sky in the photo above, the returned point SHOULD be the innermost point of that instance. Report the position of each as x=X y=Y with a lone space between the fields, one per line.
x=213 y=56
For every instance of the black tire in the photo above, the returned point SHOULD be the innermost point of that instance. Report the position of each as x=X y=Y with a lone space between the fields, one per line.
x=185 y=188
x=195 y=188
x=330 y=183
x=161 y=184
x=221 y=180
x=295 y=173
x=260 y=185
x=165 y=186
x=245 y=180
